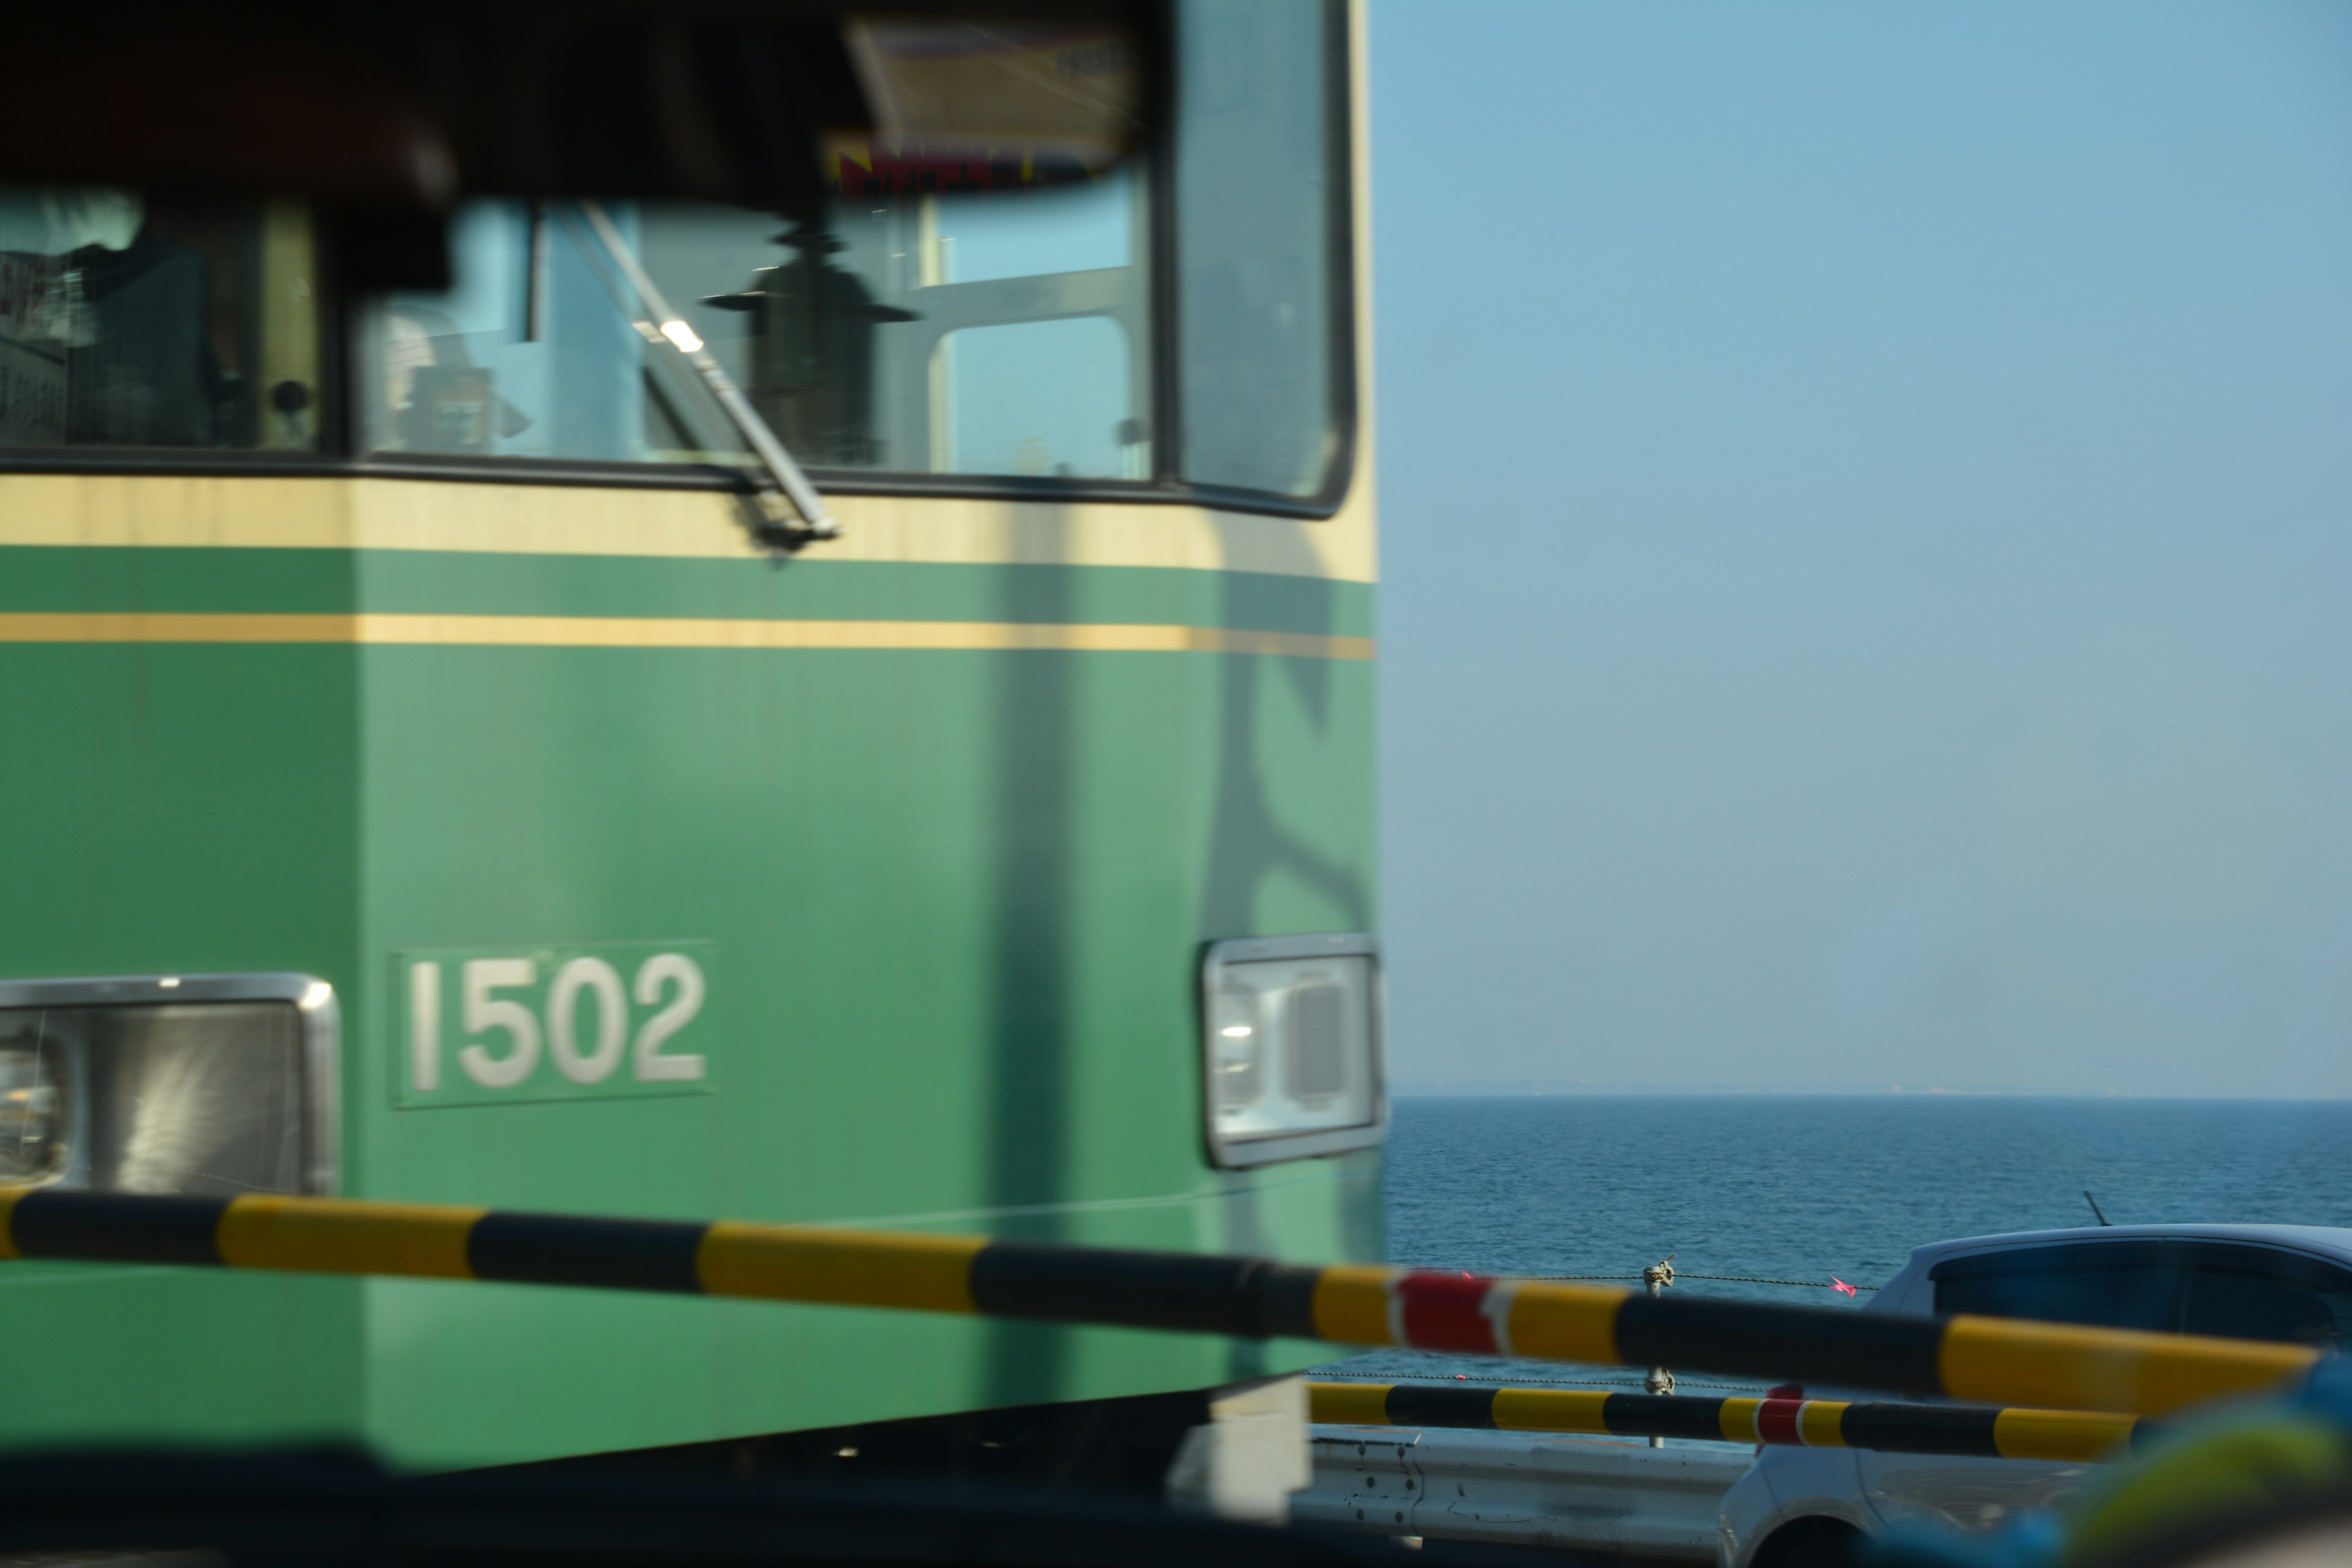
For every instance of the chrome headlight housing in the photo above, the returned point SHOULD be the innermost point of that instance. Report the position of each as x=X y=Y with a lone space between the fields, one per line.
x=207 y=1085
x=1291 y=1047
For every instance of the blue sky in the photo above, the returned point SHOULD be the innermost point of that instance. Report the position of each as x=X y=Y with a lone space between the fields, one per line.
x=1867 y=577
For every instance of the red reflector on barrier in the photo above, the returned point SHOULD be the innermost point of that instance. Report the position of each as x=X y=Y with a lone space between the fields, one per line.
x=1776 y=1421
x=1446 y=1312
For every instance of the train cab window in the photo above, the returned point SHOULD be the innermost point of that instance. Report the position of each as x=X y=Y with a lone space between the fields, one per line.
x=2175 y=1287
x=999 y=333
x=936 y=319
x=130 y=321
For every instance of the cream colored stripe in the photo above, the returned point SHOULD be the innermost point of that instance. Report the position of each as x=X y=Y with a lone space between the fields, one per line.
x=98 y=628
x=218 y=513
x=630 y=631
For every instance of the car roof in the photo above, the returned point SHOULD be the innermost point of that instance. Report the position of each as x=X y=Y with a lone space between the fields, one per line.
x=2326 y=1240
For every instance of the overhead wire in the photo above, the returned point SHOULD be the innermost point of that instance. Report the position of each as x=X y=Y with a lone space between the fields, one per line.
x=1726 y=1278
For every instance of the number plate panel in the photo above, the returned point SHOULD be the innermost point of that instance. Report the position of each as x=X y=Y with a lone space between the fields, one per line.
x=498 y=1026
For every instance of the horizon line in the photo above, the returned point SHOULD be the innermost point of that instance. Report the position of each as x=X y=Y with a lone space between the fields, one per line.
x=1543 y=1088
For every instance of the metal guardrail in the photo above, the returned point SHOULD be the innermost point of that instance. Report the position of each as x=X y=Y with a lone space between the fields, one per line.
x=2071 y=1436
x=1976 y=1360
x=1519 y=1489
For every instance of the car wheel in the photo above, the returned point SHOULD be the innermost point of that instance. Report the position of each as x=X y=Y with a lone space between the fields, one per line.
x=1811 y=1544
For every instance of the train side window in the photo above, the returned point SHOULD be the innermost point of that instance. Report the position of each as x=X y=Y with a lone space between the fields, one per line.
x=132 y=320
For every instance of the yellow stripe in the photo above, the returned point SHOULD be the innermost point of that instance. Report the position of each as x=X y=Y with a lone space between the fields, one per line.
x=868 y=1268
x=633 y=631
x=1819 y=1423
x=328 y=1235
x=1991 y=1361
x=1348 y=1404
x=1549 y=1410
x=2071 y=1436
x=1565 y=1322
x=1352 y=1304
x=8 y=1196
x=120 y=510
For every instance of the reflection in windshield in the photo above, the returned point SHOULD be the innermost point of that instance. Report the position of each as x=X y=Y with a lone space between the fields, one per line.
x=813 y=348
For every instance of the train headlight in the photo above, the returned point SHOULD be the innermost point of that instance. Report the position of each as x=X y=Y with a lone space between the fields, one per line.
x=1291 y=1047
x=32 y=1108
x=201 y=1084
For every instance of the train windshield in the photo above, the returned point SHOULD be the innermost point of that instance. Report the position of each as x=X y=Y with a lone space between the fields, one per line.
x=1183 y=318
x=128 y=320
x=933 y=319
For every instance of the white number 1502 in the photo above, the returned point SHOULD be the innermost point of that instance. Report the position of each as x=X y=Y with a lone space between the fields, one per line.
x=485 y=1012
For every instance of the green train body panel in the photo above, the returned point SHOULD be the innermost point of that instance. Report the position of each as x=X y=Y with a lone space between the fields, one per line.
x=949 y=904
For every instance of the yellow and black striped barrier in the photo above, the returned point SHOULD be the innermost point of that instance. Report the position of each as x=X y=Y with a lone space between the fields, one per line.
x=2073 y=1437
x=1988 y=1361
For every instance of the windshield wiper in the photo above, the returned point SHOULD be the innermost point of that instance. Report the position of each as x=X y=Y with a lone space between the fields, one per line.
x=807 y=518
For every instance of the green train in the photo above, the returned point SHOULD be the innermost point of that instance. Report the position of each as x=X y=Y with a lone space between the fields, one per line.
x=429 y=780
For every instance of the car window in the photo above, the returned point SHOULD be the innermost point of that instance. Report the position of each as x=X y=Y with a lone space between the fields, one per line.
x=2251 y=1306
x=2125 y=1297
x=2184 y=1287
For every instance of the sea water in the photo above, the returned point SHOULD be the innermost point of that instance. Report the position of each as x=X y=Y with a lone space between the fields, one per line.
x=1818 y=1188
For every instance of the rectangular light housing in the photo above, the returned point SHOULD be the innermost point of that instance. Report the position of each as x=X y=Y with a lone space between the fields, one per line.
x=210 y=1085
x=1291 y=1049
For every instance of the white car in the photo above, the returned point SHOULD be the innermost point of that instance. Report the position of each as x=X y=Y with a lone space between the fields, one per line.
x=1808 y=1507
